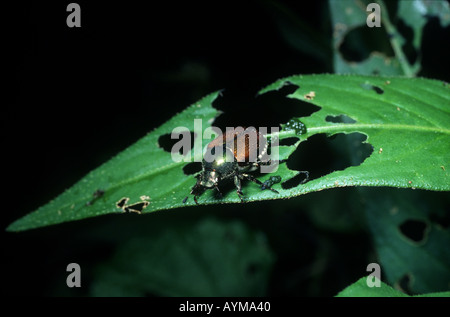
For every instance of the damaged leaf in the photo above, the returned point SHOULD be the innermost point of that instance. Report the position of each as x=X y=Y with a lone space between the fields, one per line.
x=360 y=289
x=405 y=121
x=349 y=16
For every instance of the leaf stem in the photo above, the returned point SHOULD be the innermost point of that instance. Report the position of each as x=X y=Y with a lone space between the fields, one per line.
x=396 y=46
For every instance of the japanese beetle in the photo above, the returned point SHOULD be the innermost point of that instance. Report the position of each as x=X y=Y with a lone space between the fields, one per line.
x=231 y=156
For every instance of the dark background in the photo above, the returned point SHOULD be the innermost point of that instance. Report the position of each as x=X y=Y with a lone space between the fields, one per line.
x=81 y=95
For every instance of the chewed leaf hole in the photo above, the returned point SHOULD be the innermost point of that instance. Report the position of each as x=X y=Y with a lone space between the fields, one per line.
x=442 y=220
x=340 y=119
x=377 y=89
x=288 y=141
x=414 y=230
x=192 y=168
x=300 y=178
x=167 y=143
x=321 y=155
x=241 y=108
x=358 y=43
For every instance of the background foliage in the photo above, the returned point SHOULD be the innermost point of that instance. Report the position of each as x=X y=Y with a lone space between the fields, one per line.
x=122 y=86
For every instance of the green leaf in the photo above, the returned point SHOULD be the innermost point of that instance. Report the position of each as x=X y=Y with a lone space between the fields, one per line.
x=415 y=13
x=405 y=120
x=208 y=259
x=419 y=256
x=360 y=289
x=346 y=16
x=376 y=63
x=349 y=15
x=143 y=169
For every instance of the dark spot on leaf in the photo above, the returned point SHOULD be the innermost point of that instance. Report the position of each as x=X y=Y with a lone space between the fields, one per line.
x=300 y=178
x=192 y=168
x=97 y=194
x=166 y=142
x=340 y=119
x=378 y=90
x=414 y=230
x=288 y=141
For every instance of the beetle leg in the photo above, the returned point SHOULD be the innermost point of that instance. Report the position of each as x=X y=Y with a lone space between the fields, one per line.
x=220 y=193
x=251 y=178
x=195 y=199
x=237 y=183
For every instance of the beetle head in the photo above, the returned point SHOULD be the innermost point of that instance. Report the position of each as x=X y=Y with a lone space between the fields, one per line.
x=210 y=179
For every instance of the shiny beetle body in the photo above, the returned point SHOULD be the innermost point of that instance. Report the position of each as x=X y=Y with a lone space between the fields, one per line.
x=231 y=156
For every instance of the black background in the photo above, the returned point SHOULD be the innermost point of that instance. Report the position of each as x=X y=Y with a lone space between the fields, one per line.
x=81 y=95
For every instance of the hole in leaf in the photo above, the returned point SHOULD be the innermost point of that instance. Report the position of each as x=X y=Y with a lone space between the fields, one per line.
x=442 y=220
x=295 y=181
x=361 y=41
x=244 y=109
x=321 y=155
x=340 y=119
x=408 y=48
x=378 y=90
x=192 y=168
x=166 y=142
x=432 y=51
x=288 y=141
x=414 y=230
